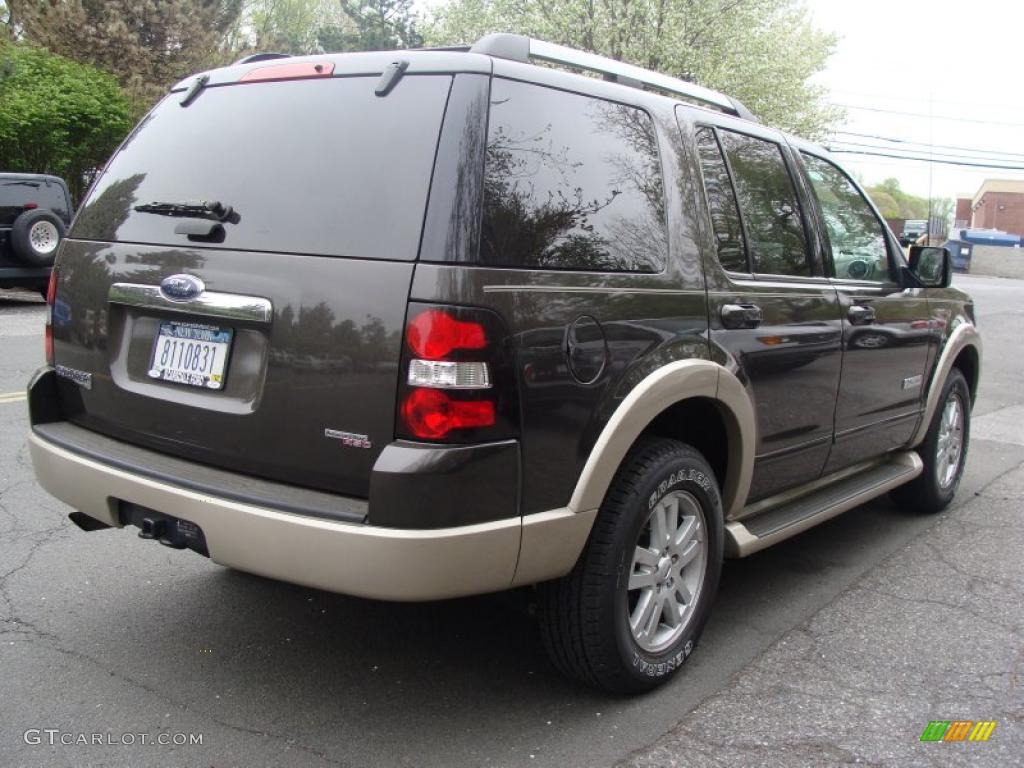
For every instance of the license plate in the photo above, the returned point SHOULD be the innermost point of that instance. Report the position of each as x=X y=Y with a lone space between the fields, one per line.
x=192 y=354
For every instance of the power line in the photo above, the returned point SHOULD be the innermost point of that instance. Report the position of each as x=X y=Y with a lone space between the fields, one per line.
x=925 y=114
x=923 y=99
x=928 y=154
x=926 y=160
x=930 y=146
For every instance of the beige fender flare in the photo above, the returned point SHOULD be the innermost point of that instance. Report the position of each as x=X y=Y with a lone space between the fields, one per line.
x=663 y=388
x=552 y=541
x=963 y=336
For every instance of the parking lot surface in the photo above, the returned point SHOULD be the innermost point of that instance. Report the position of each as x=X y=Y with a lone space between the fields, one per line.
x=837 y=646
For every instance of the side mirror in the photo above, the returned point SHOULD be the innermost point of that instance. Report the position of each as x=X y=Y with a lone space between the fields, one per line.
x=931 y=265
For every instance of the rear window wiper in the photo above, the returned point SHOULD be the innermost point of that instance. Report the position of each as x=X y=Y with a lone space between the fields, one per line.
x=213 y=209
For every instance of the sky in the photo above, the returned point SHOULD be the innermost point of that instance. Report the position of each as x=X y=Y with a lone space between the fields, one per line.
x=960 y=59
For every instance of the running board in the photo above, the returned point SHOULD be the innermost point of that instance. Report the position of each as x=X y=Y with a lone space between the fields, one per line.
x=772 y=520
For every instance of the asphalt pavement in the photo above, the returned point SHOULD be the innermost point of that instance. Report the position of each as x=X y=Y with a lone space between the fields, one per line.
x=835 y=647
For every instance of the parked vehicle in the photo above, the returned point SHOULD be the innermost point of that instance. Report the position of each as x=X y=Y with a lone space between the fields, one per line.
x=913 y=229
x=441 y=323
x=35 y=210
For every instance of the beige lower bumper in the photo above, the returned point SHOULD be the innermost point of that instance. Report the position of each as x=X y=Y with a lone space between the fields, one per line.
x=363 y=560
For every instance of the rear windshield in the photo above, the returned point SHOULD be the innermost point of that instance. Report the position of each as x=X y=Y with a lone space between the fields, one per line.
x=15 y=192
x=321 y=166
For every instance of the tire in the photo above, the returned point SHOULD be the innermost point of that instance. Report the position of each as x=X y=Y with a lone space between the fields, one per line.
x=586 y=617
x=935 y=487
x=35 y=237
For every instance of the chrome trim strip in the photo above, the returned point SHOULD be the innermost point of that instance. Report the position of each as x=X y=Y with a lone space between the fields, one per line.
x=588 y=289
x=231 y=306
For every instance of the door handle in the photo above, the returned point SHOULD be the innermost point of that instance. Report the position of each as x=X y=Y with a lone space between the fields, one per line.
x=735 y=316
x=861 y=314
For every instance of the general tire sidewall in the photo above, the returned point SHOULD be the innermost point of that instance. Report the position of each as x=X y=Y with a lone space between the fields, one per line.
x=674 y=473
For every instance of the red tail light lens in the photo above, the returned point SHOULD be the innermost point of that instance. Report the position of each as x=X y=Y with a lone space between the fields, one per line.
x=435 y=334
x=51 y=297
x=432 y=413
x=457 y=376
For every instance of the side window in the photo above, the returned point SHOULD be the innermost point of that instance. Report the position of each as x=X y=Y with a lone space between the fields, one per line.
x=571 y=182
x=855 y=234
x=725 y=216
x=768 y=202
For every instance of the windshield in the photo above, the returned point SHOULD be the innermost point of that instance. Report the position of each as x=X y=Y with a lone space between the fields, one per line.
x=320 y=166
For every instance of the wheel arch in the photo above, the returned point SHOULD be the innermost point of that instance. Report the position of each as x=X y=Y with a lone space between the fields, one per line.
x=664 y=403
x=962 y=351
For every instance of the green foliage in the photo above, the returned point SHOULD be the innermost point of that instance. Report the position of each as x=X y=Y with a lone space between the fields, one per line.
x=762 y=52
x=149 y=45
x=57 y=116
x=312 y=26
x=894 y=203
x=380 y=25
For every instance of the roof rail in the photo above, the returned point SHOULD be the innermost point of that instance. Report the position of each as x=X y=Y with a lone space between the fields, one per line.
x=522 y=48
x=260 y=57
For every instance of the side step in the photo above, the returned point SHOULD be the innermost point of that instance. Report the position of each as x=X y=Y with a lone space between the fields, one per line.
x=772 y=520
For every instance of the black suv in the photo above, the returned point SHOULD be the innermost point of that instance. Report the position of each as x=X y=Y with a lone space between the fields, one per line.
x=34 y=212
x=424 y=324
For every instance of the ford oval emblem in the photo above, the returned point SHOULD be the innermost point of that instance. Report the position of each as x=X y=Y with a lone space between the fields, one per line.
x=181 y=287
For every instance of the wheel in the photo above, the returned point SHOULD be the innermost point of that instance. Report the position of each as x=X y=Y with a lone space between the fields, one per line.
x=943 y=451
x=632 y=609
x=35 y=237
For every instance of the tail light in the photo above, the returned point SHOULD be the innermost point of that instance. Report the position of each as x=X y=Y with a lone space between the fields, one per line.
x=51 y=296
x=457 y=377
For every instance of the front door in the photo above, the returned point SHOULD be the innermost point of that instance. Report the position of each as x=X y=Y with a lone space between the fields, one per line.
x=774 y=316
x=886 y=328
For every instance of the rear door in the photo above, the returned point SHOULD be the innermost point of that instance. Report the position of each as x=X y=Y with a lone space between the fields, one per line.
x=772 y=312
x=277 y=354
x=887 y=330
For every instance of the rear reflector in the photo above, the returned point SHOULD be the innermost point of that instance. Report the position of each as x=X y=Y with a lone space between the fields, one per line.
x=432 y=414
x=435 y=333
x=30 y=206
x=292 y=71
x=51 y=297
x=445 y=375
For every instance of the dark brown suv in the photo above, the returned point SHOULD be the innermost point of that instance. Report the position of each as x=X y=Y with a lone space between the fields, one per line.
x=424 y=324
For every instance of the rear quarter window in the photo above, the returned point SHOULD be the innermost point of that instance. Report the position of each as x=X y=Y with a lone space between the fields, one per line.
x=320 y=166
x=571 y=182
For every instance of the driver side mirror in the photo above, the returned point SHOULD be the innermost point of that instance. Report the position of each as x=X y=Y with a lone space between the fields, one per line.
x=931 y=265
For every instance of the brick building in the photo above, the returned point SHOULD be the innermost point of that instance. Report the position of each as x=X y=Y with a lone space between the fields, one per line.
x=998 y=204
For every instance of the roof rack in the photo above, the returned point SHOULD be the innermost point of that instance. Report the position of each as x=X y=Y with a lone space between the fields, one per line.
x=522 y=48
x=260 y=57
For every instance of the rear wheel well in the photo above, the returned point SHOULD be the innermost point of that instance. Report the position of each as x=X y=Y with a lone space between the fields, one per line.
x=698 y=422
x=967 y=363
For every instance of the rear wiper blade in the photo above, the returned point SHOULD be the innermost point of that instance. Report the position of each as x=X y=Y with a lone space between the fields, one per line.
x=213 y=209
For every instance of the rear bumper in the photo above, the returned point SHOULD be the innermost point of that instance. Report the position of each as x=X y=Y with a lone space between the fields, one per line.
x=351 y=558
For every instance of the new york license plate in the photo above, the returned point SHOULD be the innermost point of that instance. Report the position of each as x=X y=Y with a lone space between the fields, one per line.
x=192 y=354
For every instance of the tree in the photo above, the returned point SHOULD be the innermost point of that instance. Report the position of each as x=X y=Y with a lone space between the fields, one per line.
x=762 y=52
x=313 y=26
x=894 y=203
x=380 y=25
x=148 y=44
x=287 y=26
x=57 y=116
